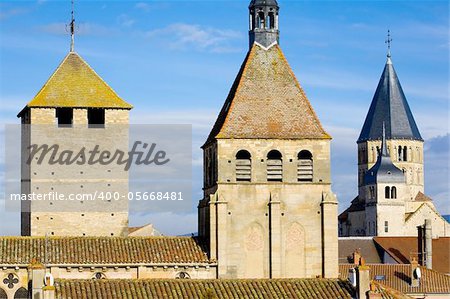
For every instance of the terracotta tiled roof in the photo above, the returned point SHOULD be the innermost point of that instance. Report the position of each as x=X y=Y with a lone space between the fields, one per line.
x=218 y=288
x=398 y=277
x=102 y=250
x=266 y=101
x=401 y=249
x=75 y=84
x=365 y=245
x=387 y=292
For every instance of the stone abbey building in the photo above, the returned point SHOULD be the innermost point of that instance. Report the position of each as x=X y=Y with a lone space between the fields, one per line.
x=391 y=199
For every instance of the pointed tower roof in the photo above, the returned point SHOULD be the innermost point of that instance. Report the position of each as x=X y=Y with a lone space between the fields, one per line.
x=389 y=106
x=76 y=84
x=384 y=171
x=266 y=101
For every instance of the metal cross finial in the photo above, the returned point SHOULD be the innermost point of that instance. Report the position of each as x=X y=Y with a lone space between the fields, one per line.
x=72 y=30
x=388 y=42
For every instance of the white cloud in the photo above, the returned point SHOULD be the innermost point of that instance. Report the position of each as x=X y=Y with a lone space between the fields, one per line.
x=182 y=36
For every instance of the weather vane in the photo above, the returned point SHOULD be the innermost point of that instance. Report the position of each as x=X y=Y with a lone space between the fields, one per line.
x=388 y=42
x=72 y=29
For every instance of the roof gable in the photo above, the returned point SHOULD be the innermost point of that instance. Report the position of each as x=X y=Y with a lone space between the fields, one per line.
x=267 y=102
x=389 y=106
x=76 y=84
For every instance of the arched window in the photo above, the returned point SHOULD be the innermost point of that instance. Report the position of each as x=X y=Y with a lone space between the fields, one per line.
x=393 y=192
x=3 y=294
x=274 y=166
x=400 y=153
x=243 y=166
x=270 y=21
x=305 y=166
x=387 y=192
x=405 y=153
x=260 y=20
x=21 y=293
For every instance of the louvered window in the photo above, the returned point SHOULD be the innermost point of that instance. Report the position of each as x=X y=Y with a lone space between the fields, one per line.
x=243 y=166
x=305 y=167
x=274 y=166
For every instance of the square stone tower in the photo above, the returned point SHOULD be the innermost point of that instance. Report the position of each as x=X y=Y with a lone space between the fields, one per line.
x=74 y=110
x=268 y=210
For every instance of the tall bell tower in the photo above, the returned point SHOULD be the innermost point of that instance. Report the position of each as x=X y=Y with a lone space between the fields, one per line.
x=75 y=109
x=268 y=210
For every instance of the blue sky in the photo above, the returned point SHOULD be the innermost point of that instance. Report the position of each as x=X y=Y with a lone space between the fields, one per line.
x=175 y=62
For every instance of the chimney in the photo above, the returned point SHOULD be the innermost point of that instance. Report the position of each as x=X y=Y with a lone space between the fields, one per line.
x=373 y=293
x=421 y=245
x=415 y=273
x=36 y=272
x=356 y=256
x=362 y=280
x=48 y=290
x=428 y=244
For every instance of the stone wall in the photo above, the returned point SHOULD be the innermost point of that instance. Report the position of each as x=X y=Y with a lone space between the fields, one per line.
x=262 y=229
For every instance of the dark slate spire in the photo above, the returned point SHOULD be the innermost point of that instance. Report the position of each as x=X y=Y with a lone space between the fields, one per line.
x=264 y=22
x=389 y=106
x=384 y=171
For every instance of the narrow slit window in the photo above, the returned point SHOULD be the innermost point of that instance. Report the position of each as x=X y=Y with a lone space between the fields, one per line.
x=65 y=117
x=394 y=192
x=96 y=118
x=387 y=192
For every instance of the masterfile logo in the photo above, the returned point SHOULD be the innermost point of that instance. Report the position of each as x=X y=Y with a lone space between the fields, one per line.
x=112 y=168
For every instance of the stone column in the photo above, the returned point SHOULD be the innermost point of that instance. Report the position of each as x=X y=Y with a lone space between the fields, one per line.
x=222 y=227
x=275 y=237
x=330 y=268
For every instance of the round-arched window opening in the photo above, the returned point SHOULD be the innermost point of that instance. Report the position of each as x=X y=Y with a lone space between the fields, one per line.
x=304 y=155
x=274 y=155
x=305 y=166
x=243 y=154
